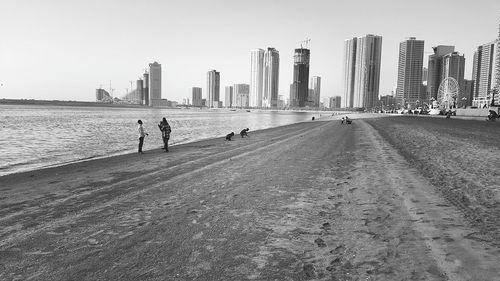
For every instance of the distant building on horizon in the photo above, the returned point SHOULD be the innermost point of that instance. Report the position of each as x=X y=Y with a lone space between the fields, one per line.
x=362 y=61
x=155 y=84
x=102 y=95
x=316 y=87
x=299 y=91
x=410 y=65
x=228 y=97
x=145 y=90
x=197 y=96
x=435 y=69
x=213 y=88
x=241 y=95
x=271 y=69
x=256 y=77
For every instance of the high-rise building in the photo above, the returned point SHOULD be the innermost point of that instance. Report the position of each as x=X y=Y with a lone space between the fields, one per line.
x=425 y=74
x=300 y=89
x=145 y=91
x=256 y=77
x=496 y=68
x=482 y=70
x=241 y=95
x=454 y=66
x=336 y=102
x=155 y=84
x=411 y=57
x=362 y=60
x=310 y=98
x=102 y=95
x=349 y=68
x=468 y=92
x=316 y=87
x=435 y=69
x=228 y=100
x=140 y=90
x=271 y=78
x=367 y=73
x=213 y=88
x=196 y=96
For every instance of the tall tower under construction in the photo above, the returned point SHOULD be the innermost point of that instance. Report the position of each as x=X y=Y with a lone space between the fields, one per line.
x=300 y=87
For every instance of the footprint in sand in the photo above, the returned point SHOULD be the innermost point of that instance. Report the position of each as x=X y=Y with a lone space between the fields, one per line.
x=320 y=242
x=326 y=226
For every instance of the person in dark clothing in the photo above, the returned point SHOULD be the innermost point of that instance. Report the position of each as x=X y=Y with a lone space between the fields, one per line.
x=165 y=132
x=244 y=133
x=229 y=136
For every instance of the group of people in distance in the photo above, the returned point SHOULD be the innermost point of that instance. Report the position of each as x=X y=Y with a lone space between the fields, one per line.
x=243 y=133
x=346 y=120
x=165 y=133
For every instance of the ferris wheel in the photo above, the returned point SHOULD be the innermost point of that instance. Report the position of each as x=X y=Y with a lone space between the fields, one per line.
x=448 y=92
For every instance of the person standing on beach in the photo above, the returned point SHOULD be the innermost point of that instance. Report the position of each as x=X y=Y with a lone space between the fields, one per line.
x=165 y=132
x=142 y=134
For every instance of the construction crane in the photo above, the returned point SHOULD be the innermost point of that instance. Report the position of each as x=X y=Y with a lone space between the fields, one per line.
x=306 y=42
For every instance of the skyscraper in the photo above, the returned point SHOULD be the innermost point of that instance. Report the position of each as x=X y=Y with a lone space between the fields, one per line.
x=482 y=72
x=411 y=57
x=228 y=100
x=362 y=60
x=496 y=68
x=213 y=88
x=271 y=78
x=454 y=66
x=435 y=69
x=316 y=88
x=241 y=95
x=145 y=91
x=196 y=96
x=367 y=73
x=349 y=68
x=256 y=77
x=300 y=85
x=155 y=84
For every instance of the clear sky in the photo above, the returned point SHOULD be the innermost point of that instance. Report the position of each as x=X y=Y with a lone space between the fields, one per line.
x=65 y=49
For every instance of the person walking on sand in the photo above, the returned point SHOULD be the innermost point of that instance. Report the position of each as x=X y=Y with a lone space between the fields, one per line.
x=142 y=134
x=165 y=132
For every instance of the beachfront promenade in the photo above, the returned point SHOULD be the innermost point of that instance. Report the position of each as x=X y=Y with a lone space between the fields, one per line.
x=375 y=200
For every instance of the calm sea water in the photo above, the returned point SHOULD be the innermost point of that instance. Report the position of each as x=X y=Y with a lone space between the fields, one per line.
x=35 y=136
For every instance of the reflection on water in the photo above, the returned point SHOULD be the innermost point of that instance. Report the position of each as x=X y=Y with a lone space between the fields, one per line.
x=39 y=136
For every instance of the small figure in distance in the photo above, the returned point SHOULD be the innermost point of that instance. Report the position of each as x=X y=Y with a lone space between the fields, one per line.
x=229 y=136
x=165 y=132
x=342 y=123
x=142 y=134
x=244 y=133
x=448 y=114
x=492 y=116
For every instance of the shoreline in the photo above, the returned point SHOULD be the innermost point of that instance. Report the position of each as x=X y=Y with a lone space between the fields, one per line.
x=117 y=158
x=310 y=200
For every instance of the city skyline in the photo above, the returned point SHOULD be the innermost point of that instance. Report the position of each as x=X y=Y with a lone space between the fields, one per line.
x=99 y=45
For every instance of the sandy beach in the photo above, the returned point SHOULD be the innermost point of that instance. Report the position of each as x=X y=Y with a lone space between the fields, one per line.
x=392 y=198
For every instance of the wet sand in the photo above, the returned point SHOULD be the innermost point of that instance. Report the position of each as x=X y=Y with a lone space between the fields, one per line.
x=375 y=200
